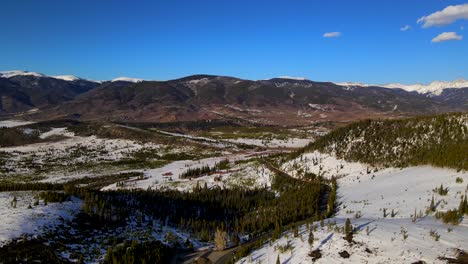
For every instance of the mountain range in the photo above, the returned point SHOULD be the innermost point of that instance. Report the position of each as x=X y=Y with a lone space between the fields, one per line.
x=285 y=100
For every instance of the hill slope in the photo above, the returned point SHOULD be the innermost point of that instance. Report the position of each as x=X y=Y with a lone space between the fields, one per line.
x=24 y=92
x=440 y=140
x=275 y=101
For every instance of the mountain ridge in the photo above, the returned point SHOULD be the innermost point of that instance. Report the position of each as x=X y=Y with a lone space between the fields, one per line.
x=294 y=101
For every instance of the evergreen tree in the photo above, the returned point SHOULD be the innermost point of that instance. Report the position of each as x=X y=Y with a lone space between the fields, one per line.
x=14 y=202
x=461 y=207
x=348 y=227
x=278 y=260
x=311 y=237
x=295 y=230
x=432 y=206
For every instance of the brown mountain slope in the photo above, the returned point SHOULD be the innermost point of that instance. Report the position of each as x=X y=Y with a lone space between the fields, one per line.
x=277 y=101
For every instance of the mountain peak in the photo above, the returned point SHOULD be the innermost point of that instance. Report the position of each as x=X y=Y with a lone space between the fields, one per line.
x=435 y=87
x=9 y=74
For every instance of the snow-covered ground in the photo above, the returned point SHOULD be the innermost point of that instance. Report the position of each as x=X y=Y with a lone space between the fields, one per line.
x=60 y=131
x=15 y=222
x=72 y=151
x=363 y=194
x=112 y=147
x=203 y=140
x=273 y=143
x=168 y=176
x=14 y=123
x=290 y=142
x=325 y=165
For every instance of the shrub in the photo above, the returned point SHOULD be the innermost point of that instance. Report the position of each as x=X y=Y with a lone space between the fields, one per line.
x=449 y=217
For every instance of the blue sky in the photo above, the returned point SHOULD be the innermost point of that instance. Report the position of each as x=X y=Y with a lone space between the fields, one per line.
x=248 y=39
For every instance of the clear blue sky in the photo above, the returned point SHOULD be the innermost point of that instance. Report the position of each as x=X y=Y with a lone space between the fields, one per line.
x=166 y=39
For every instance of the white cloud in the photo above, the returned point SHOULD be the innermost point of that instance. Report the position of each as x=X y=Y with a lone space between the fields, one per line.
x=446 y=16
x=446 y=36
x=405 y=28
x=332 y=34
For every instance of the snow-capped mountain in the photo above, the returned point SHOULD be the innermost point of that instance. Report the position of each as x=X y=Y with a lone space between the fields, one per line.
x=9 y=74
x=68 y=78
x=434 y=88
x=22 y=91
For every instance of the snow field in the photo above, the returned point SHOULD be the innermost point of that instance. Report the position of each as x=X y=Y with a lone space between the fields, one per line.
x=363 y=193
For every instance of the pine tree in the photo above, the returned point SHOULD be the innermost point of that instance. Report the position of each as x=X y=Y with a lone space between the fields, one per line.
x=296 y=231
x=432 y=206
x=14 y=202
x=461 y=207
x=465 y=204
x=277 y=231
x=348 y=227
x=311 y=237
x=278 y=260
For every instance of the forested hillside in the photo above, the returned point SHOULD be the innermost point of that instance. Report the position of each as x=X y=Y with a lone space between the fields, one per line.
x=439 y=140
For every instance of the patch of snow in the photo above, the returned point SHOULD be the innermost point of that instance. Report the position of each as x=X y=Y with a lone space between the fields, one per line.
x=351 y=84
x=293 y=78
x=68 y=78
x=34 y=221
x=61 y=131
x=199 y=81
x=14 y=123
x=127 y=79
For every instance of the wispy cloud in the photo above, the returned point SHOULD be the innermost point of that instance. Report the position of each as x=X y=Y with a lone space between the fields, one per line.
x=332 y=34
x=405 y=28
x=446 y=36
x=446 y=16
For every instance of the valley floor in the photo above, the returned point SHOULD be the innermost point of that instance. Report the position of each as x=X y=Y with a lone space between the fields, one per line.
x=387 y=206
